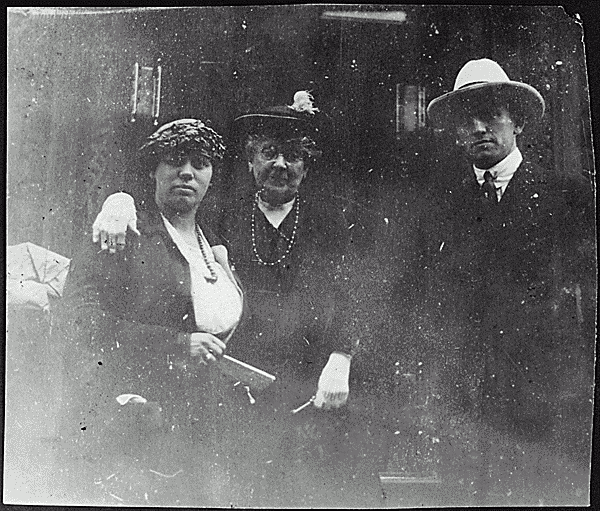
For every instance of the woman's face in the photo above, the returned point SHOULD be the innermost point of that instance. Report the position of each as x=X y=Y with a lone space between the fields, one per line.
x=182 y=180
x=278 y=168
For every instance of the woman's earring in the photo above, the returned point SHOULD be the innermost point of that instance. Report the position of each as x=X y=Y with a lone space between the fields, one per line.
x=250 y=167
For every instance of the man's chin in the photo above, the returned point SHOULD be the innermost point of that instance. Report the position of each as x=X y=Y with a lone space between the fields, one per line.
x=484 y=159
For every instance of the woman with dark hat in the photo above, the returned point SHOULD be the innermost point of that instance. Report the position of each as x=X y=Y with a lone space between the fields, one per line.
x=288 y=248
x=140 y=332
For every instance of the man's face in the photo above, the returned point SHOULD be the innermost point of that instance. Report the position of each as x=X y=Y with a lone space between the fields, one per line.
x=278 y=168
x=487 y=134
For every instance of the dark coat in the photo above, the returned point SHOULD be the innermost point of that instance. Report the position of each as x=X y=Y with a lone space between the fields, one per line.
x=510 y=281
x=298 y=308
x=118 y=328
x=299 y=314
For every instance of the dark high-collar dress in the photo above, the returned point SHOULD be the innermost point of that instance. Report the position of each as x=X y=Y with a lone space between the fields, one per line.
x=299 y=313
x=298 y=306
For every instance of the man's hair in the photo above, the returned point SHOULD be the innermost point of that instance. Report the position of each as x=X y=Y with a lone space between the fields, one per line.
x=491 y=101
x=515 y=111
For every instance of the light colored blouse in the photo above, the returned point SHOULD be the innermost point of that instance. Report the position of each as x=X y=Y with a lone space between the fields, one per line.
x=218 y=304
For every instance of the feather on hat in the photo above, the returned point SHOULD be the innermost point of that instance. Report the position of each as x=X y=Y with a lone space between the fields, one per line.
x=296 y=120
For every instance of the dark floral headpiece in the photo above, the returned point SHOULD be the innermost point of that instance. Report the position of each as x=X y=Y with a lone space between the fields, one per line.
x=189 y=134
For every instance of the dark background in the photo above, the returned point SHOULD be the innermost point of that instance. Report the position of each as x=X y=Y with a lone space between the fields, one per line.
x=70 y=138
x=71 y=142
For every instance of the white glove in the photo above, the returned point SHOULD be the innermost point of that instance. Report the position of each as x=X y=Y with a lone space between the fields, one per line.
x=110 y=227
x=333 y=387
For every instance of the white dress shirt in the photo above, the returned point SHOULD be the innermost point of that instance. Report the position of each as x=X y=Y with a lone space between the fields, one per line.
x=502 y=172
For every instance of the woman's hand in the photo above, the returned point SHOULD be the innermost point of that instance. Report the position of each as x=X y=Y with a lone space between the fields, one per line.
x=333 y=387
x=110 y=226
x=206 y=347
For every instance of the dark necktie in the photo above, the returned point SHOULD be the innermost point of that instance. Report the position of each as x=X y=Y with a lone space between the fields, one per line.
x=489 y=189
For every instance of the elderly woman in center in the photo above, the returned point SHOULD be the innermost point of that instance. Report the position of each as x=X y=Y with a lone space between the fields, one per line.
x=288 y=249
x=141 y=331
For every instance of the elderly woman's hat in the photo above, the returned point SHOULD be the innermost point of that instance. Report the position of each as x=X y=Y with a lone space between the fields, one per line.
x=290 y=121
x=479 y=79
x=185 y=135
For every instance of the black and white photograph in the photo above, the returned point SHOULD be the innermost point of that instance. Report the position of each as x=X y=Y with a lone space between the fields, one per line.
x=299 y=256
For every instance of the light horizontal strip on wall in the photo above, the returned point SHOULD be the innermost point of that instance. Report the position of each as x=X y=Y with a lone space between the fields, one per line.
x=70 y=11
x=373 y=17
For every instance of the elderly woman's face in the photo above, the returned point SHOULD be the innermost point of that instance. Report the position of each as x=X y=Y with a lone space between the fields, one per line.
x=182 y=180
x=278 y=168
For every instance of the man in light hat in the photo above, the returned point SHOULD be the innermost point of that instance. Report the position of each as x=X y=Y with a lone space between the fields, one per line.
x=516 y=259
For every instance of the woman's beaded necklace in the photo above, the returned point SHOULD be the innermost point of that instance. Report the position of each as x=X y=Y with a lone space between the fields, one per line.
x=292 y=237
x=213 y=274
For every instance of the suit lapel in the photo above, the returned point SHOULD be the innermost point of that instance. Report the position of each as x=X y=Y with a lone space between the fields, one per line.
x=520 y=205
x=513 y=194
x=523 y=193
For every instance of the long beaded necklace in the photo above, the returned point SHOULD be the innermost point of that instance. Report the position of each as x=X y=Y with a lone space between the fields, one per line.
x=213 y=274
x=292 y=237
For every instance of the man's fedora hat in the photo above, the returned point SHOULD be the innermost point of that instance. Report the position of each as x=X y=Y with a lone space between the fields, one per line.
x=291 y=121
x=481 y=78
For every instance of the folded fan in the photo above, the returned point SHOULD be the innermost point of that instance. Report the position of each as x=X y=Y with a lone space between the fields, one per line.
x=247 y=374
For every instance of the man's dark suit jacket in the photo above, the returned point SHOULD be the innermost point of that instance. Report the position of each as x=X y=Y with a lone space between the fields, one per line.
x=517 y=280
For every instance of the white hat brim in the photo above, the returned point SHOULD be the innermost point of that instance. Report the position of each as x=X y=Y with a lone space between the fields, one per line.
x=530 y=102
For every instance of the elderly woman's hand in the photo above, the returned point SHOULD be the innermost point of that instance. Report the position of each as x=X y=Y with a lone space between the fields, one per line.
x=110 y=226
x=206 y=346
x=333 y=387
